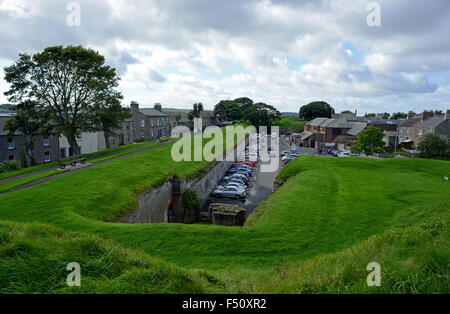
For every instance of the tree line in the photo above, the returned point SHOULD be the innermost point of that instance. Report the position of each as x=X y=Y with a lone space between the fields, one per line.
x=244 y=109
x=63 y=91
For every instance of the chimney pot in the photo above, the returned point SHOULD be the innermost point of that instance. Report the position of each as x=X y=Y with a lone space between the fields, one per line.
x=158 y=106
x=134 y=105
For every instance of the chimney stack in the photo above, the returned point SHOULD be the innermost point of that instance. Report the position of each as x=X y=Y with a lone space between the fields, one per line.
x=134 y=106
x=427 y=114
x=158 y=107
x=447 y=115
x=410 y=115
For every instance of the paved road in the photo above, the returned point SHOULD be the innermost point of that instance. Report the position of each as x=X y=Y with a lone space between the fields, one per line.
x=260 y=188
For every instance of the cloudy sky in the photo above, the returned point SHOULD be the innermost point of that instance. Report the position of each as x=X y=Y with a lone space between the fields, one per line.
x=283 y=52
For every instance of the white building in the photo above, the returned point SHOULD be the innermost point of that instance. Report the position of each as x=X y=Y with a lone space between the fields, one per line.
x=88 y=142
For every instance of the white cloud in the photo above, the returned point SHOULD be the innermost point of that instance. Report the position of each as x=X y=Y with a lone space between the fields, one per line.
x=283 y=52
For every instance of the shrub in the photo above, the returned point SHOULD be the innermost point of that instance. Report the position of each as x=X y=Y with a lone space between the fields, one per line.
x=9 y=165
x=192 y=205
x=434 y=146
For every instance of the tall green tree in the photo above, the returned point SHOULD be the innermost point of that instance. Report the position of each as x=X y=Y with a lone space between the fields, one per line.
x=316 y=109
x=370 y=140
x=30 y=122
x=66 y=83
x=227 y=110
x=261 y=114
x=243 y=103
x=109 y=118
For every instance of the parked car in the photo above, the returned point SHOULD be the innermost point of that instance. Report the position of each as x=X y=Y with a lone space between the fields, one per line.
x=239 y=170
x=336 y=152
x=236 y=185
x=344 y=154
x=241 y=176
x=331 y=151
x=249 y=163
x=287 y=160
x=231 y=192
x=290 y=155
x=244 y=166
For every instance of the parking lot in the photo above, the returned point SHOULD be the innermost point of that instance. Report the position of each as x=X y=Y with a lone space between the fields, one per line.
x=259 y=188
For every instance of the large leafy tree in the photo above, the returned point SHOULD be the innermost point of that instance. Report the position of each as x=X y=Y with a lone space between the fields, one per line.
x=66 y=83
x=228 y=110
x=316 y=109
x=370 y=140
x=109 y=116
x=29 y=121
x=434 y=146
x=261 y=114
x=243 y=103
x=398 y=115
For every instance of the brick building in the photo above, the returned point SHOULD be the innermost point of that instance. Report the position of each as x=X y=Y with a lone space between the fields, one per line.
x=417 y=126
x=46 y=149
x=149 y=123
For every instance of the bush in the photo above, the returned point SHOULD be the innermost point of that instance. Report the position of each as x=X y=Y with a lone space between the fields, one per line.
x=192 y=205
x=9 y=165
x=434 y=146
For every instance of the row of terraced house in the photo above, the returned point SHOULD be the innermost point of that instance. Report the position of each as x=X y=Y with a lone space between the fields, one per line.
x=145 y=124
x=341 y=130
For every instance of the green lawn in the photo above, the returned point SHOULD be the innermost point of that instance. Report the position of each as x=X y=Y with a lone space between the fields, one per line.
x=326 y=205
x=7 y=186
x=123 y=153
x=287 y=123
x=22 y=171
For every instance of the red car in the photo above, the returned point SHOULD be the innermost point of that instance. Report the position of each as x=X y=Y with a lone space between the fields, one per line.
x=248 y=163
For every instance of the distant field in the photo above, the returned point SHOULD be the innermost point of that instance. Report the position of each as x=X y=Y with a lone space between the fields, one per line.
x=329 y=210
x=287 y=123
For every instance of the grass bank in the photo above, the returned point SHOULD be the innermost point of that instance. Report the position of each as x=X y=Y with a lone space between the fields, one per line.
x=325 y=206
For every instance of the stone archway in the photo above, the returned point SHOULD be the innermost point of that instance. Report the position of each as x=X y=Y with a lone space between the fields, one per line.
x=170 y=212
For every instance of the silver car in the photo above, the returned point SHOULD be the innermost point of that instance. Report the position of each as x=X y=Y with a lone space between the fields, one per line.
x=231 y=192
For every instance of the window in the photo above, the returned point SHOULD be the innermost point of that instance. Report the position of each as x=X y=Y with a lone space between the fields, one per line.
x=407 y=130
x=63 y=153
x=46 y=141
x=420 y=132
x=10 y=143
x=11 y=157
x=47 y=156
x=79 y=137
x=142 y=134
x=152 y=134
x=337 y=132
x=142 y=123
x=152 y=123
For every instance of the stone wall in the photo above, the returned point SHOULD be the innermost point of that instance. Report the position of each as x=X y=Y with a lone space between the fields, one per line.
x=154 y=205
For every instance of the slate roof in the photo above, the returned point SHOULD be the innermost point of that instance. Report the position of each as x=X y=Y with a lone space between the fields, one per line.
x=152 y=112
x=409 y=122
x=431 y=122
x=357 y=128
